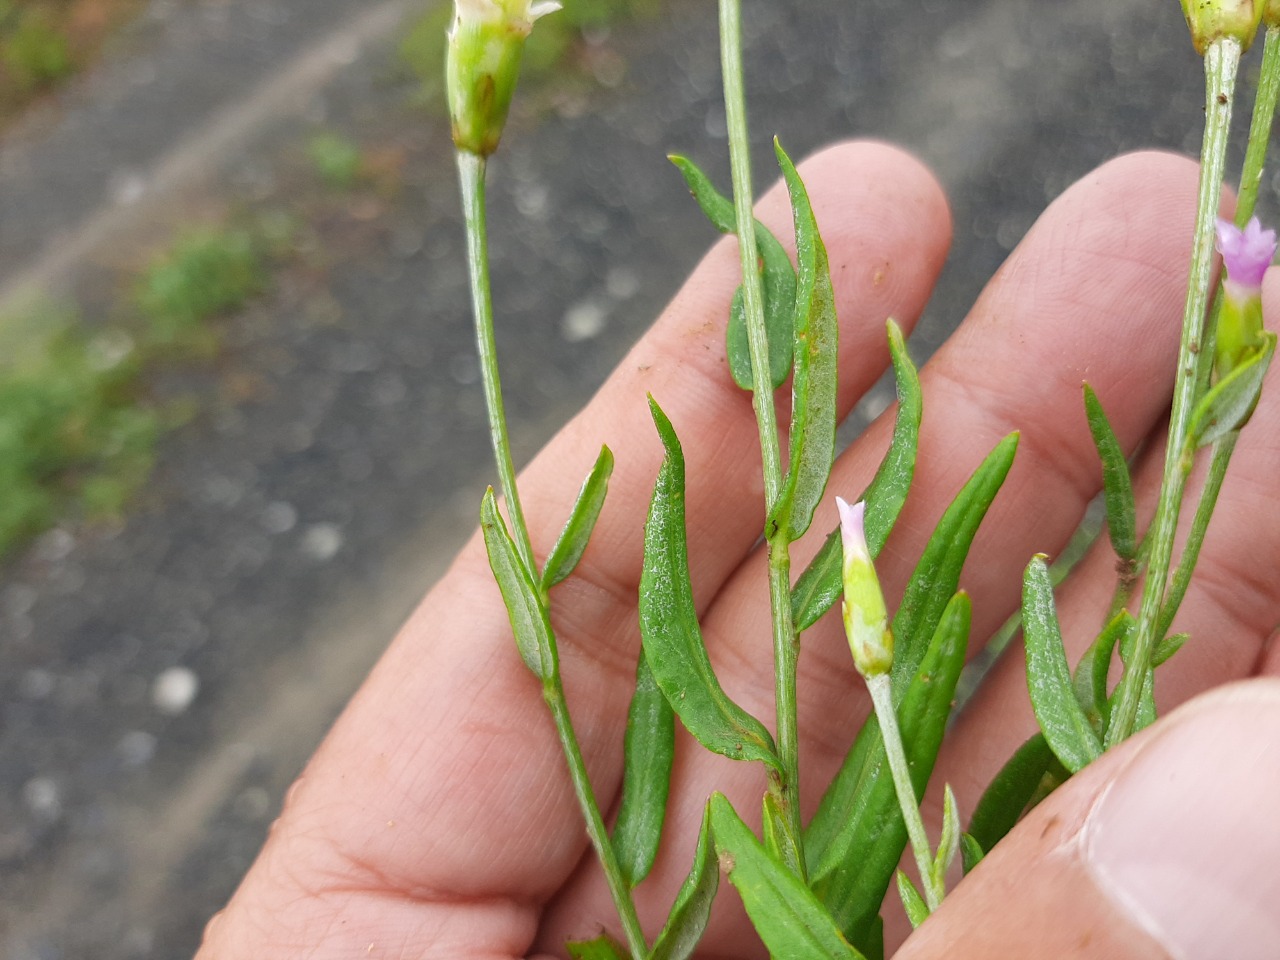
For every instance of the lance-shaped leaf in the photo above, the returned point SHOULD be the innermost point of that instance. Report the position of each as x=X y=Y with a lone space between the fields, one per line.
x=937 y=574
x=1167 y=647
x=529 y=620
x=646 y=780
x=779 y=838
x=819 y=586
x=1117 y=486
x=692 y=908
x=855 y=840
x=1090 y=679
x=1229 y=403
x=1065 y=725
x=582 y=520
x=916 y=909
x=669 y=626
x=603 y=947
x=813 y=385
x=971 y=852
x=787 y=916
x=1013 y=788
x=777 y=274
x=949 y=843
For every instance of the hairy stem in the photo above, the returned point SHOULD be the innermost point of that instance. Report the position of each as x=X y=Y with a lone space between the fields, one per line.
x=471 y=175
x=785 y=650
x=1221 y=62
x=882 y=699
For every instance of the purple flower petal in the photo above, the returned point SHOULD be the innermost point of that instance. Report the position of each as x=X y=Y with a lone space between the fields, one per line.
x=852 y=533
x=1246 y=253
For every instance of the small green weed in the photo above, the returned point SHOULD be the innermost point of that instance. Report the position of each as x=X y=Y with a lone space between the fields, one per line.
x=336 y=159
x=207 y=272
x=35 y=52
x=78 y=428
x=74 y=437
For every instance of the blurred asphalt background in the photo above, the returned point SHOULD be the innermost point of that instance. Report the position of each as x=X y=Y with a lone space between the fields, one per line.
x=163 y=680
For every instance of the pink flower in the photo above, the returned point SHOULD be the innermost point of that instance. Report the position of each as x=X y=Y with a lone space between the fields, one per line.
x=1246 y=254
x=852 y=534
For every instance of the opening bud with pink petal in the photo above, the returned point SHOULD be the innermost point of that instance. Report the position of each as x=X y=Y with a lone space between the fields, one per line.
x=1210 y=20
x=1246 y=255
x=482 y=65
x=866 y=621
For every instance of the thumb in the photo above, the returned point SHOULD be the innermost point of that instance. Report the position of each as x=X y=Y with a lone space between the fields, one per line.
x=1167 y=847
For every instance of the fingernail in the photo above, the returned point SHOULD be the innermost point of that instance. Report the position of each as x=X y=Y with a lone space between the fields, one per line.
x=1186 y=840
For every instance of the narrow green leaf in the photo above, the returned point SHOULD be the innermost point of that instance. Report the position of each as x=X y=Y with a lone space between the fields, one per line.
x=1117 y=486
x=1012 y=790
x=783 y=845
x=950 y=840
x=1093 y=670
x=650 y=745
x=1167 y=647
x=888 y=490
x=1146 y=715
x=813 y=385
x=603 y=947
x=692 y=909
x=788 y=917
x=1229 y=403
x=1065 y=725
x=582 y=520
x=778 y=276
x=937 y=575
x=970 y=852
x=819 y=586
x=669 y=626
x=529 y=621
x=855 y=840
x=916 y=909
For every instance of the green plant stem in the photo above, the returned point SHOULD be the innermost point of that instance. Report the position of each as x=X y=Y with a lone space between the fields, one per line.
x=882 y=699
x=785 y=648
x=471 y=175
x=553 y=693
x=471 y=172
x=1221 y=62
x=1264 y=112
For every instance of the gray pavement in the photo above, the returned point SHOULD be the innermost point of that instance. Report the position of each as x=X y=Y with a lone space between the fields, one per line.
x=162 y=682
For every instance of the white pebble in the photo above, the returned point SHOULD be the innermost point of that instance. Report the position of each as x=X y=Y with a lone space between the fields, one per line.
x=322 y=541
x=173 y=690
x=583 y=321
x=42 y=798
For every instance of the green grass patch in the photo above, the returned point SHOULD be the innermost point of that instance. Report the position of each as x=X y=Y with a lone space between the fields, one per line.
x=78 y=422
x=336 y=159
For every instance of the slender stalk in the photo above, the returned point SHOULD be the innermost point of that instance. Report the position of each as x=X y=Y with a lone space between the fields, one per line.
x=882 y=699
x=1221 y=62
x=785 y=648
x=471 y=175
x=1264 y=111
x=553 y=693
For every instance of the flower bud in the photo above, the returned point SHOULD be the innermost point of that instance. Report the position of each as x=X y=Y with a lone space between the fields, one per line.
x=1211 y=20
x=1246 y=255
x=866 y=622
x=1271 y=16
x=482 y=65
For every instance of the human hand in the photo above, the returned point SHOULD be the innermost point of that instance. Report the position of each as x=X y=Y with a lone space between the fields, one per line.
x=437 y=818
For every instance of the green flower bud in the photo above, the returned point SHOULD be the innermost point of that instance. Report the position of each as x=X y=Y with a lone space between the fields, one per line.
x=866 y=621
x=1211 y=20
x=1271 y=16
x=482 y=65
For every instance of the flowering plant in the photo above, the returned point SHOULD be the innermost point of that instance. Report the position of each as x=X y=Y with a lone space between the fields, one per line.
x=818 y=888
